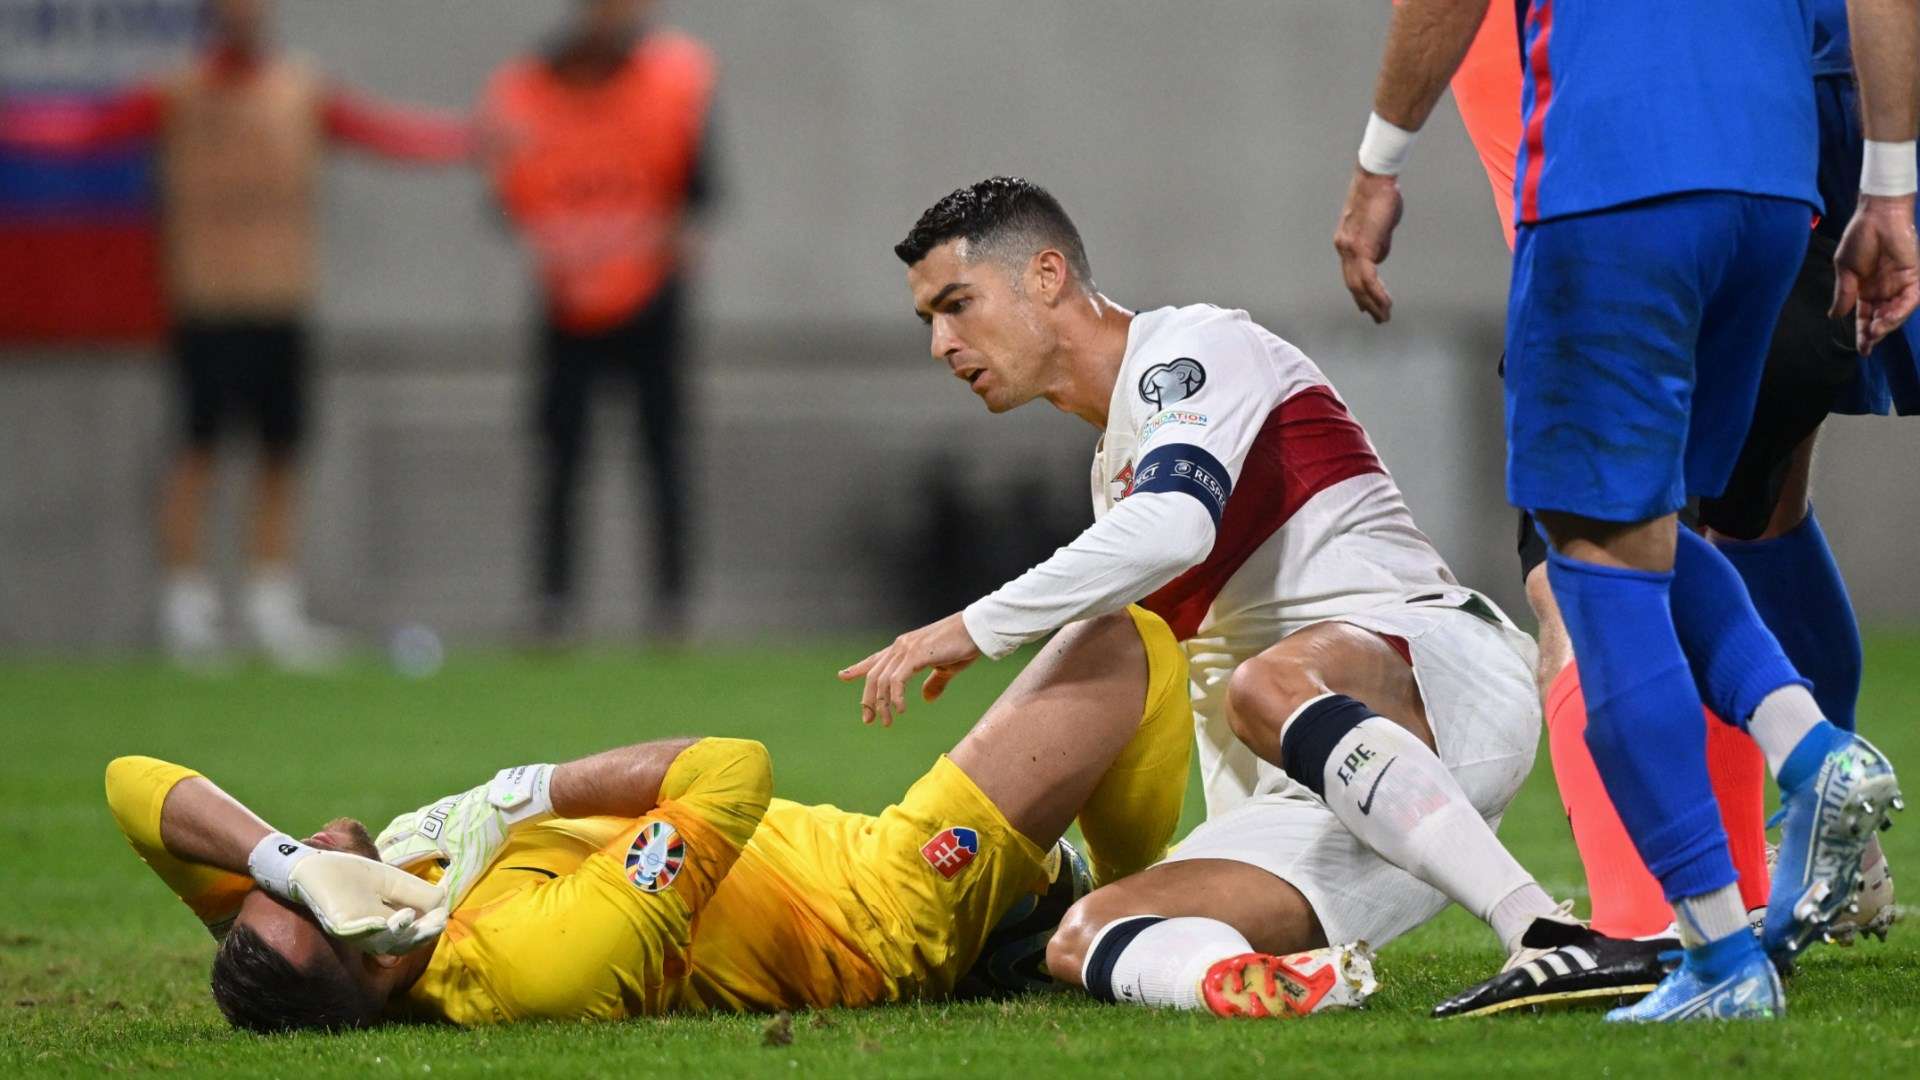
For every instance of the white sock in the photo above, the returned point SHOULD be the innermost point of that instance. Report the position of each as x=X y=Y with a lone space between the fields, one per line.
x=1512 y=915
x=1393 y=793
x=1710 y=916
x=1782 y=720
x=1163 y=964
x=189 y=609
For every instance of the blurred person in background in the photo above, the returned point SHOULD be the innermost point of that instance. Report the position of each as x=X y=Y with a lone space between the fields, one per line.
x=239 y=134
x=602 y=162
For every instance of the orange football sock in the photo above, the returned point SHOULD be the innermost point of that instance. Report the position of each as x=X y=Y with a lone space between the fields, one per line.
x=1627 y=901
x=1739 y=773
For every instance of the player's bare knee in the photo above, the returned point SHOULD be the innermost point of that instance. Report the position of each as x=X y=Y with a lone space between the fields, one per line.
x=1067 y=950
x=1264 y=691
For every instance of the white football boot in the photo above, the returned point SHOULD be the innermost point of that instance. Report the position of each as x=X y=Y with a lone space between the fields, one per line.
x=1873 y=911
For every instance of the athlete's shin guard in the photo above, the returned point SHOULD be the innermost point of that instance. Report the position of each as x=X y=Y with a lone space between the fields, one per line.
x=1797 y=589
x=1642 y=721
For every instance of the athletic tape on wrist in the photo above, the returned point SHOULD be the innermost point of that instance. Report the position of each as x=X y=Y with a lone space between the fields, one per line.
x=1889 y=169
x=522 y=793
x=272 y=861
x=1385 y=147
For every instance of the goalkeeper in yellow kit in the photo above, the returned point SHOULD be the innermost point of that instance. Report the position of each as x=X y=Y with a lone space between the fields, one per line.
x=664 y=877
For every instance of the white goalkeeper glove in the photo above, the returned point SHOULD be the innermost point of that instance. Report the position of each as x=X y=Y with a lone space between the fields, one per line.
x=465 y=832
x=376 y=907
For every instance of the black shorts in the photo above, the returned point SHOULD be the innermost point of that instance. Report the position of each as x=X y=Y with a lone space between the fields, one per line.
x=250 y=372
x=1809 y=363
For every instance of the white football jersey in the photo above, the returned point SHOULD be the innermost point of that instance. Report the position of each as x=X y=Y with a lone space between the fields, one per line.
x=1309 y=526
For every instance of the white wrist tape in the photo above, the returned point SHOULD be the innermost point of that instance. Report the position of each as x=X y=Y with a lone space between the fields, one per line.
x=1889 y=168
x=1386 y=146
x=522 y=793
x=272 y=861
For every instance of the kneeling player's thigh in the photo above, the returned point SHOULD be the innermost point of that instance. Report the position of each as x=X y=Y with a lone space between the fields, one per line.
x=1272 y=914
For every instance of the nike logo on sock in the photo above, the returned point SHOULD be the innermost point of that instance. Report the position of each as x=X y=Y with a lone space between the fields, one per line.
x=1366 y=804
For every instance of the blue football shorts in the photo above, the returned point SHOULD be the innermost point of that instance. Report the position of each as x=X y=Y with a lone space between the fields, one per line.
x=1636 y=338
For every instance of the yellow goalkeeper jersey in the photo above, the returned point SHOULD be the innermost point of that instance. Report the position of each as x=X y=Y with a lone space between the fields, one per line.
x=721 y=898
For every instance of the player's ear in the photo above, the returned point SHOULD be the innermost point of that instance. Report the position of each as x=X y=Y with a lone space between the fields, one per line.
x=1048 y=275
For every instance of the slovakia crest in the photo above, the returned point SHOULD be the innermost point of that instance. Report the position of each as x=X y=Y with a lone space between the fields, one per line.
x=655 y=858
x=951 y=850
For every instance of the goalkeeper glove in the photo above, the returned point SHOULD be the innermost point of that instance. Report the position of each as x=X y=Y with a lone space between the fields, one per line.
x=376 y=907
x=465 y=832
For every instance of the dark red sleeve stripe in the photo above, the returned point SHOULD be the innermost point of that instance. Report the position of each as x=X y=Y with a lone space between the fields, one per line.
x=1308 y=444
x=1542 y=98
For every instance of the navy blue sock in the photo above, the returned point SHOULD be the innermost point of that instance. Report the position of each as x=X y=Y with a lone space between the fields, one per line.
x=1797 y=589
x=1643 y=721
x=1735 y=659
x=1718 y=959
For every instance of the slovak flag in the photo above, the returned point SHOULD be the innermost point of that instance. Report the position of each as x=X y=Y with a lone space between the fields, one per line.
x=951 y=850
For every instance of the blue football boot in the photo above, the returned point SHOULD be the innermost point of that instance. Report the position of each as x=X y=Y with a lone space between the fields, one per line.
x=1746 y=987
x=1826 y=823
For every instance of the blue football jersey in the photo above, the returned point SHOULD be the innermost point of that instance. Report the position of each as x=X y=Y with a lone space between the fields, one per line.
x=1627 y=100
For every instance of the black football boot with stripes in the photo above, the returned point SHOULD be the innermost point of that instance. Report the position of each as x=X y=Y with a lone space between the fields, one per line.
x=1577 y=967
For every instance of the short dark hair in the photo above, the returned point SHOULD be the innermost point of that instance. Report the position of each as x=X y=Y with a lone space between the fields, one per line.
x=261 y=990
x=995 y=213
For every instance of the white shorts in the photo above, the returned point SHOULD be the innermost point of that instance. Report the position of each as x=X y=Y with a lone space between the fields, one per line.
x=1476 y=680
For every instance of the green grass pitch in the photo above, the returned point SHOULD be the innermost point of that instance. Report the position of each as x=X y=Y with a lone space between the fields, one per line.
x=101 y=969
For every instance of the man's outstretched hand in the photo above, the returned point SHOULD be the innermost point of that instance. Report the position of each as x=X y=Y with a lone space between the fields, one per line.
x=1364 y=236
x=1877 y=268
x=945 y=646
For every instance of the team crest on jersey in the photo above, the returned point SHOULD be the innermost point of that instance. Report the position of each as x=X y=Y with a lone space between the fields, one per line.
x=655 y=858
x=1173 y=382
x=951 y=850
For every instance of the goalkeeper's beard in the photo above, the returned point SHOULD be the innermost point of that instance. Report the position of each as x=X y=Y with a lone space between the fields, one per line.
x=348 y=835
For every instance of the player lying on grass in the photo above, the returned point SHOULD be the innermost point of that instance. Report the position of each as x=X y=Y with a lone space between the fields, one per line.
x=1363 y=719
x=662 y=877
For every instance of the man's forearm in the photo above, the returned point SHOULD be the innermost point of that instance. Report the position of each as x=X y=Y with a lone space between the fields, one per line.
x=1886 y=56
x=1425 y=45
x=1147 y=541
x=616 y=783
x=202 y=824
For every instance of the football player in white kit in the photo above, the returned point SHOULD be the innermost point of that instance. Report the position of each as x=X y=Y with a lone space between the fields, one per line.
x=1363 y=719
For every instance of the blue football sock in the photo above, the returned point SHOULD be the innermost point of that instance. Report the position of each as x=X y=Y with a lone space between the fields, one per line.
x=1736 y=661
x=1643 y=720
x=1797 y=589
x=1718 y=959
